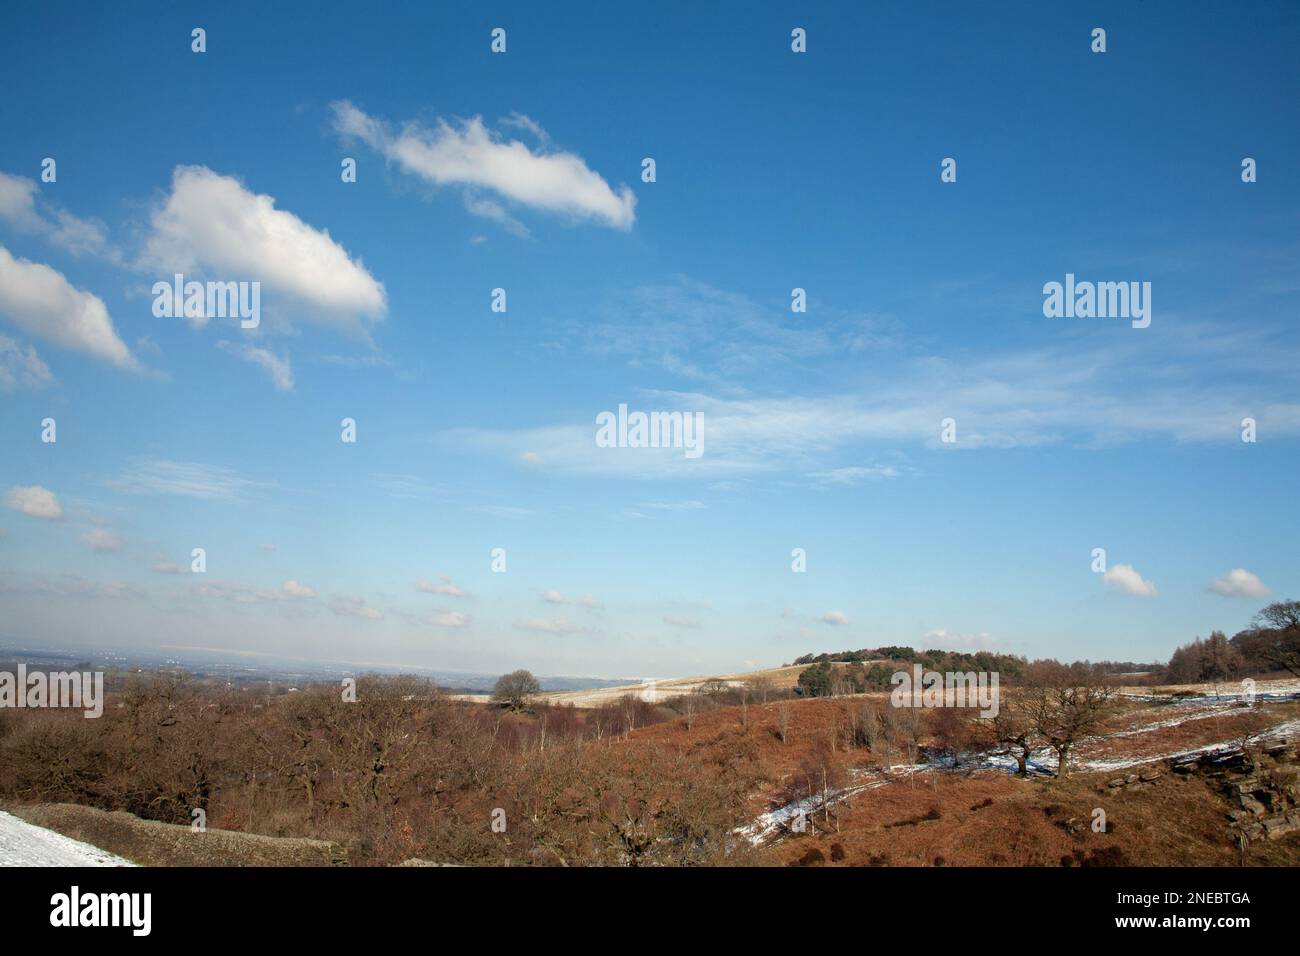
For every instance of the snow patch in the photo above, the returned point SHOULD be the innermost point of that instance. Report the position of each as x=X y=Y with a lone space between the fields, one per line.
x=24 y=844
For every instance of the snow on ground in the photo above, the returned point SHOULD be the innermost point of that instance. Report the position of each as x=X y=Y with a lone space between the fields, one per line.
x=1043 y=761
x=23 y=844
x=771 y=823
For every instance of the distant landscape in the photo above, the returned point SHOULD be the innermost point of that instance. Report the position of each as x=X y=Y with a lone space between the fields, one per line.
x=1189 y=762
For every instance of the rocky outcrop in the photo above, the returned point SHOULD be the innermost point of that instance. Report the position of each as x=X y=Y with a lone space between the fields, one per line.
x=1261 y=783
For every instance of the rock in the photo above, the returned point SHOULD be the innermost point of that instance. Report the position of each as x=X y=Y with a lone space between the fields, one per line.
x=1148 y=775
x=1117 y=782
x=1277 y=827
x=1251 y=805
x=1131 y=778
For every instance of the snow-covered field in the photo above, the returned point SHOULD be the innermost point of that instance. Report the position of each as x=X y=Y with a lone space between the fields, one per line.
x=22 y=844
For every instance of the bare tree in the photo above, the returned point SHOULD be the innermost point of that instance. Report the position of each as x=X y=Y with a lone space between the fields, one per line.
x=1014 y=732
x=1220 y=660
x=1065 y=707
x=515 y=690
x=783 y=720
x=1275 y=638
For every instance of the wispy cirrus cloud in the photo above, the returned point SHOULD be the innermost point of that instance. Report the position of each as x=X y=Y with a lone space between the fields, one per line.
x=21 y=368
x=103 y=540
x=187 y=479
x=275 y=366
x=466 y=153
x=21 y=208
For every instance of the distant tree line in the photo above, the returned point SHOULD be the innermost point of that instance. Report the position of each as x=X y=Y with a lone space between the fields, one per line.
x=1270 y=645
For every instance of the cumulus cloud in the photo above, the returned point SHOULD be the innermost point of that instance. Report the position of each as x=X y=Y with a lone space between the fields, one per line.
x=100 y=539
x=18 y=207
x=444 y=586
x=35 y=502
x=213 y=225
x=466 y=153
x=170 y=567
x=1124 y=577
x=835 y=618
x=277 y=368
x=21 y=368
x=294 y=589
x=585 y=600
x=1240 y=583
x=41 y=302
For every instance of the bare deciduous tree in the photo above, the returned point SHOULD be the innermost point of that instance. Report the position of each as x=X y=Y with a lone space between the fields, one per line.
x=1066 y=706
x=515 y=690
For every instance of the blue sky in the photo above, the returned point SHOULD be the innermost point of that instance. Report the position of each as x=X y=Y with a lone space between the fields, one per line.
x=522 y=171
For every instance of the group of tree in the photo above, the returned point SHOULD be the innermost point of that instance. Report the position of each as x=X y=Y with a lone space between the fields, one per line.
x=395 y=771
x=1270 y=645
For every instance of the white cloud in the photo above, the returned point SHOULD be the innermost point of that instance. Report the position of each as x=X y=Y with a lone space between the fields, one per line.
x=445 y=586
x=170 y=567
x=835 y=617
x=446 y=619
x=211 y=224
x=18 y=202
x=470 y=155
x=1240 y=583
x=295 y=589
x=100 y=539
x=356 y=607
x=41 y=302
x=585 y=600
x=35 y=502
x=277 y=368
x=21 y=369
x=1124 y=577
x=18 y=207
x=186 y=479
